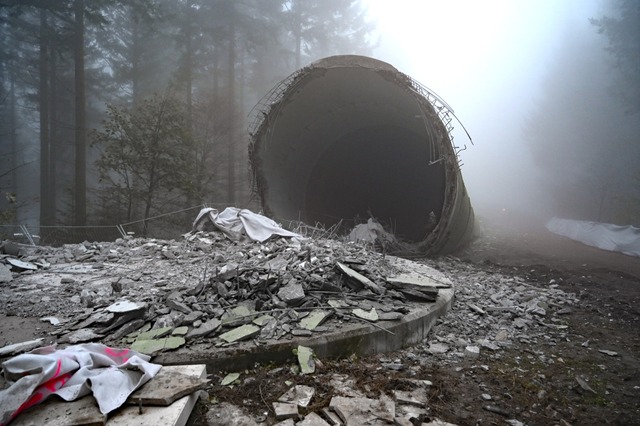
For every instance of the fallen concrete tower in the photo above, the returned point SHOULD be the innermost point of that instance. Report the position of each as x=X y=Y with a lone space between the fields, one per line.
x=351 y=137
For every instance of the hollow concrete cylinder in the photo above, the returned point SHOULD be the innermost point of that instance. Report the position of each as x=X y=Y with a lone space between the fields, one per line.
x=349 y=137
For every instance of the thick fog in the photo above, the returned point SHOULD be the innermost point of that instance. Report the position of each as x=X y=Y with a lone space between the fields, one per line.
x=550 y=102
x=531 y=81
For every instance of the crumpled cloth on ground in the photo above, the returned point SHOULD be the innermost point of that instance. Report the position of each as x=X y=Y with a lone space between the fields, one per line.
x=235 y=223
x=110 y=374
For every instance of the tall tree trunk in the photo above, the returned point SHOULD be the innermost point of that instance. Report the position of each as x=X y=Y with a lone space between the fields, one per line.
x=80 y=114
x=189 y=67
x=54 y=144
x=231 y=100
x=136 y=54
x=43 y=101
x=13 y=129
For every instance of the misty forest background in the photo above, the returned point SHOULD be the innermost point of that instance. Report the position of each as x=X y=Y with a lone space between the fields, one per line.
x=114 y=111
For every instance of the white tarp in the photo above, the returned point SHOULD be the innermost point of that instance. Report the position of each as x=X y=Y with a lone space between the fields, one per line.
x=235 y=223
x=623 y=239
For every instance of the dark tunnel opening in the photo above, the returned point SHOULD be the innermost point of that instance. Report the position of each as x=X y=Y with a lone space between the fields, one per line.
x=349 y=137
x=375 y=172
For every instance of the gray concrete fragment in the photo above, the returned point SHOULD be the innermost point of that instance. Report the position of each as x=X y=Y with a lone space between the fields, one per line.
x=364 y=281
x=285 y=410
x=166 y=387
x=5 y=273
x=179 y=306
x=125 y=306
x=305 y=360
x=291 y=294
x=361 y=411
x=79 y=336
x=371 y=315
x=312 y=419
x=17 y=348
x=240 y=333
x=300 y=395
x=416 y=397
x=205 y=329
x=226 y=414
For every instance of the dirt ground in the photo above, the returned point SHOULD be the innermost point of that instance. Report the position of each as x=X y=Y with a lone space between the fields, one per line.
x=566 y=380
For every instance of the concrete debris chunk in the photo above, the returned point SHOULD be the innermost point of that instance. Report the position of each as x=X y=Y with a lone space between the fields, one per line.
x=51 y=320
x=52 y=412
x=364 y=411
x=358 y=277
x=166 y=387
x=371 y=315
x=22 y=266
x=204 y=330
x=229 y=379
x=291 y=294
x=80 y=336
x=305 y=360
x=155 y=346
x=17 y=348
x=314 y=319
x=417 y=397
x=285 y=410
x=155 y=333
x=5 y=273
x=240 y=333
x=125 y=306
x=226 y=414
x=300 y=395
x=312 y=419
x=472 y=351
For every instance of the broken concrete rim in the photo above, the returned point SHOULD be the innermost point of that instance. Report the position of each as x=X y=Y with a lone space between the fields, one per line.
x=349 y=137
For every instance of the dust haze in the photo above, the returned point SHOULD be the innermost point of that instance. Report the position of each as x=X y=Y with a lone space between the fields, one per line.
x=534 y=84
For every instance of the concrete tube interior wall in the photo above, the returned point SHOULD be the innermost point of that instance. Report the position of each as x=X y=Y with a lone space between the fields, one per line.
x=350 y=136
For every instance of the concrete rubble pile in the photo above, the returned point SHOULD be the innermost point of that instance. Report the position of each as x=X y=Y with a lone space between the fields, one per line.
x=158 y=295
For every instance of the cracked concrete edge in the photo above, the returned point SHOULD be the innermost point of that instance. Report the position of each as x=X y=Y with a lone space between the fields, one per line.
x=353 y=339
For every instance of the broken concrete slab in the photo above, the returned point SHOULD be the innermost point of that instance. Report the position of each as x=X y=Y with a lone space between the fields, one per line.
x=226 y=414
x=240 y=333
x=229 y=379
x=55 y=412
x=204 y=330
x=5 y=273
x=291 y=294
x=17 y=348
x=358 y=277
x=175 y=414
x=285 y=410
x=300 y=395
x=155 y=346
x=85 y=410
x=20 y=265
x=312 y=419
x=416 y=397
x=154 y=334
x=166 y=387
x=305 y=359
x=80 y=336
x=371 y=315
x=361 y=411
x=125 y=306
x=314 y=319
